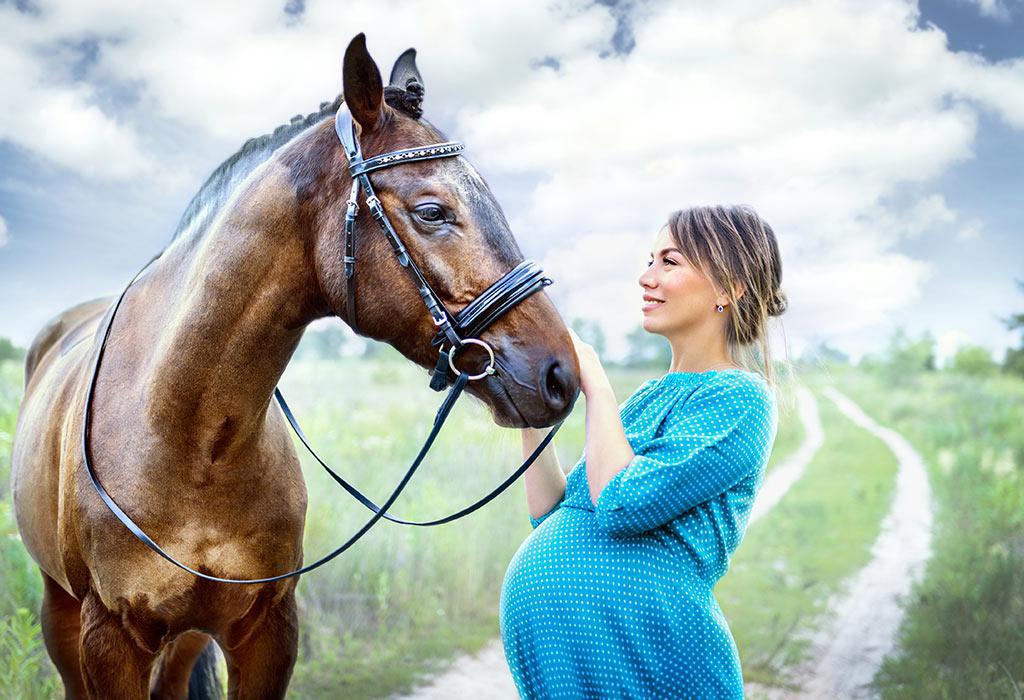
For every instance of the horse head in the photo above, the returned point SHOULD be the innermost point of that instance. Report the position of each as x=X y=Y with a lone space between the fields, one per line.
x=453 y=229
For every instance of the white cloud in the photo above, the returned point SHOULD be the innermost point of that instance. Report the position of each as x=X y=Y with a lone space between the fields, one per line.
x=817 y=114
x=970 y=230
x=993 y=9
x=60 y=121
x=3 y=232
x=832 y=119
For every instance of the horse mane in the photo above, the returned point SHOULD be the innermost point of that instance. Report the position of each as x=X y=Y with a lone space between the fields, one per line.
x=222 y=181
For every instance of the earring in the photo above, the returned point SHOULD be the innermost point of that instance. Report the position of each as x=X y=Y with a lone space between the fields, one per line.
x=719 y=308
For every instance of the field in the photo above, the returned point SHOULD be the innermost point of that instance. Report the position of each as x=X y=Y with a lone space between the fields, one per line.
x=403 y=600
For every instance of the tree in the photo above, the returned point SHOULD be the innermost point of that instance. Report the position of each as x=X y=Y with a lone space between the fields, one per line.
x=973 y=360
x=823 y=354
x=590 y=331
x=905 y=354
x=648 y=349
x=1014 y=360
x=10 y=351
x=322 y=344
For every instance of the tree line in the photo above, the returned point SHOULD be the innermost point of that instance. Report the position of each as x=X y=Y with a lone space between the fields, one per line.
x=903 y=354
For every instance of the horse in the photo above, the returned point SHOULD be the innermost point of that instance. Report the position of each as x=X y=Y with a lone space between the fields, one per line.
x=184 y=432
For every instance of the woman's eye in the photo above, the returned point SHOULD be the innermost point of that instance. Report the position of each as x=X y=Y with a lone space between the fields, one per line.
x=430 y=213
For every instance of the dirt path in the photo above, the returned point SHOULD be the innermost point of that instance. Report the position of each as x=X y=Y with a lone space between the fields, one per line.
x=484 y=676
x=847 y=652
x=782 y=477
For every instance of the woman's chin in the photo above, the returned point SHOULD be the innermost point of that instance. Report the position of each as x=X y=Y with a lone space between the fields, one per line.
x=649 y=324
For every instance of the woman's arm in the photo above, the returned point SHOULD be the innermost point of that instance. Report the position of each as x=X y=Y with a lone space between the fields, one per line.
x=608 y=451
x=545 y=481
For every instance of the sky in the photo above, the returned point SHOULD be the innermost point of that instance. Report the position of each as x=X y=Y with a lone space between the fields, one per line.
x=881 y=140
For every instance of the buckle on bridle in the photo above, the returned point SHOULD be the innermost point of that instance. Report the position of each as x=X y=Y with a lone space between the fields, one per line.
x=487 y=371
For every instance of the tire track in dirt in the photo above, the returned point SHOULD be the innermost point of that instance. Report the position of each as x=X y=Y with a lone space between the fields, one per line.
x=846 y=653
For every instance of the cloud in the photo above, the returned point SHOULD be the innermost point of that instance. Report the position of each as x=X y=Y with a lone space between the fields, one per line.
x=826 y=117
x=970 y=230
x=59 y=120
x=834 y=120
x=3 y=232
x=993 y=9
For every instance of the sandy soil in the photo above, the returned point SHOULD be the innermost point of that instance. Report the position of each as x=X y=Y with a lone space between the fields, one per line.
x=484 y=676
x=865 y=617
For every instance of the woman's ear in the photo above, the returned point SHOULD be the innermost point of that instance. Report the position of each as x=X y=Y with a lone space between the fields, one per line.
x=738 y=290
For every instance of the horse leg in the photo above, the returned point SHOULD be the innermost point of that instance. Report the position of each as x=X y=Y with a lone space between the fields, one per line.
x=174 y=666
x=113 y=663
x=261 y=665
x=60 y=619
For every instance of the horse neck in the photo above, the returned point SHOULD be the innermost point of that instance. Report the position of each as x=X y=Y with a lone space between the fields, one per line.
x=234 y=302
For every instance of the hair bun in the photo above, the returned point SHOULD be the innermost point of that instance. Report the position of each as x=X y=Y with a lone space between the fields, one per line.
x=778 y=304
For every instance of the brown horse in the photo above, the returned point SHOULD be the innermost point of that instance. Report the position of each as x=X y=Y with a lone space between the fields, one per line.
x=185 y=435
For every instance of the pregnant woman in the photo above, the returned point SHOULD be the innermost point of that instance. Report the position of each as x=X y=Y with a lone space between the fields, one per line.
x=611 y=594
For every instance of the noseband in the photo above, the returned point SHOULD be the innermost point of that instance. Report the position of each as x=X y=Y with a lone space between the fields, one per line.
x=458 y=329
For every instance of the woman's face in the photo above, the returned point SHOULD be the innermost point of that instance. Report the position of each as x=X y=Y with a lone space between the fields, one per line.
x=688 y=298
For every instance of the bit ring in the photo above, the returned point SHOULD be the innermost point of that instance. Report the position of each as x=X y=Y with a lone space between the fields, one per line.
x=490 y=367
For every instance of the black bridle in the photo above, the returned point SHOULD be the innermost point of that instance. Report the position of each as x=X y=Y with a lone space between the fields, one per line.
x=515 y=286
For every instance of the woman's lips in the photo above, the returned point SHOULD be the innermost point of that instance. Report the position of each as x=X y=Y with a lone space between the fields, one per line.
x=649 y=305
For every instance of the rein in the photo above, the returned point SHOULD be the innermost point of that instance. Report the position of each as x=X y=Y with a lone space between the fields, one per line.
x=458 y=329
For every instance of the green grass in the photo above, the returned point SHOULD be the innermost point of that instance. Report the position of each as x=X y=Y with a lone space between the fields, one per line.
x=964 y=632
x=791 y=431
x=25 y=670
x=798 y=554
x=404 y=599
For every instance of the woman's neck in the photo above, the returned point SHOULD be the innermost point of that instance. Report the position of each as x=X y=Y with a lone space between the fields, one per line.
x=701 y=350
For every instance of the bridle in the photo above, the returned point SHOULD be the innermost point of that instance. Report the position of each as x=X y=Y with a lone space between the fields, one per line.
x=513 y=287
x=458 y=329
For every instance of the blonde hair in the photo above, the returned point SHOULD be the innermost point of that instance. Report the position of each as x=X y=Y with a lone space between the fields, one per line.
x=738 y=252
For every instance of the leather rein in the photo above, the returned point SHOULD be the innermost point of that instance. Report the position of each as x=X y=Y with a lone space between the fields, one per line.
x=457 y=329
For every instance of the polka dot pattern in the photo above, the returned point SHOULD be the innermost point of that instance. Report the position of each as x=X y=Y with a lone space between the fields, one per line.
x=614 y=599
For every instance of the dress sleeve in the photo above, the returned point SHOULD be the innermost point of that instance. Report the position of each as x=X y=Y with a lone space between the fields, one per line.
x=709 y=443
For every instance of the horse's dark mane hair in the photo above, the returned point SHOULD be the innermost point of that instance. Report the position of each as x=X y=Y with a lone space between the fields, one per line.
x=222 y=181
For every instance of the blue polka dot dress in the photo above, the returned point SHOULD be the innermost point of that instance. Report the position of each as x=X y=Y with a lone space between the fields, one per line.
x=615 y=599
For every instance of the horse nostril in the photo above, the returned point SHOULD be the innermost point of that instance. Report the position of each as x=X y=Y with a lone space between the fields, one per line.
x=557 y=385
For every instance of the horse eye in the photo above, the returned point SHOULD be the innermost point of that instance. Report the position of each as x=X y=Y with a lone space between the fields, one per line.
x=430 y=213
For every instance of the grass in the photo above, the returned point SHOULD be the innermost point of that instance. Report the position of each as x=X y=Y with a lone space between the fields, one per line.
x=798 y=554
x=964 y=632
x=405 y=599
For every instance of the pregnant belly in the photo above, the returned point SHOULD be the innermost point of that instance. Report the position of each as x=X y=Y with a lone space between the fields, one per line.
x=569 y=568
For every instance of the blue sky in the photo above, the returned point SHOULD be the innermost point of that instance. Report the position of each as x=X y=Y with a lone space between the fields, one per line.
x=882 y=140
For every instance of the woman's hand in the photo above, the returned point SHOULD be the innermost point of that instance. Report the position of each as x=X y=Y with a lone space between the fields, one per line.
x=592 y=374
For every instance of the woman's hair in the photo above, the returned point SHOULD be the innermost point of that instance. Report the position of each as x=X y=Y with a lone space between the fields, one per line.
x=738 y=252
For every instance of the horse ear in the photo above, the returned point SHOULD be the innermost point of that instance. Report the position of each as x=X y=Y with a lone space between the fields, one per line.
x=405 y=70
x=364 y=92
x=405 y=89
